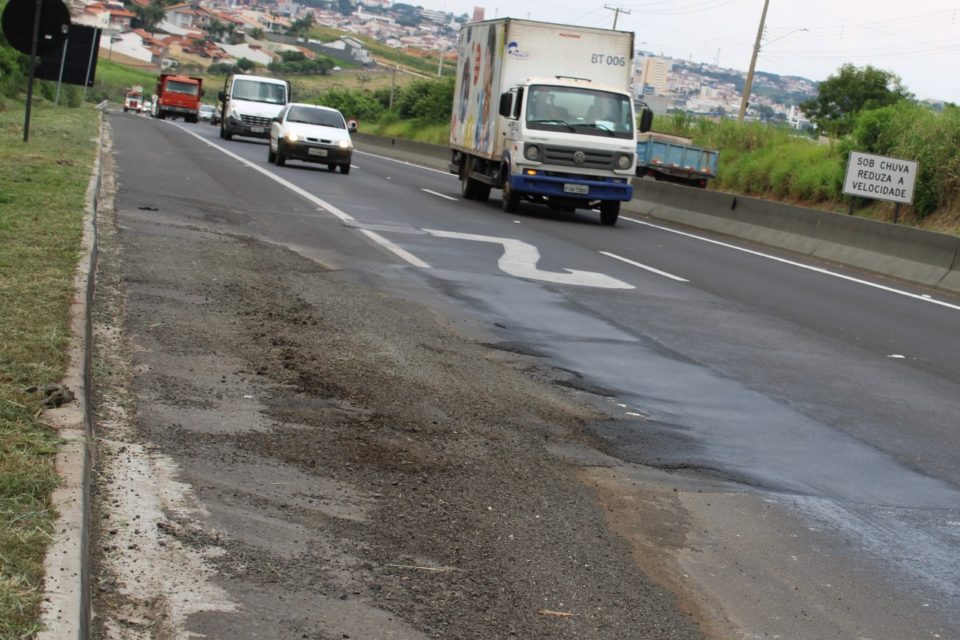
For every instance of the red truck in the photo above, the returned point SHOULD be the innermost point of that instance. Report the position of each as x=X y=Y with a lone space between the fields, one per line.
x=179 y=96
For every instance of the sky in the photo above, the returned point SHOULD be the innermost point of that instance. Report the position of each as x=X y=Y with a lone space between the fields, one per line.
x=918 y=40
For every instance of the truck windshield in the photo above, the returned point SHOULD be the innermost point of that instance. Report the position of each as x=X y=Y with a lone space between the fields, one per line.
x=256 y=91
x=585 y=111
x=188 y=88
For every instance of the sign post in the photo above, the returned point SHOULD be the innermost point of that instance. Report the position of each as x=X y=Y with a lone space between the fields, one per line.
x=880 y=178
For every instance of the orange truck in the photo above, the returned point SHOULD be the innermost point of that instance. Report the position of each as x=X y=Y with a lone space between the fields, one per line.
x=179 y=97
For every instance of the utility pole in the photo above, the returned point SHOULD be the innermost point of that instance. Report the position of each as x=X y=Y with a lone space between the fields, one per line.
x=616 y=13
x=753 y=64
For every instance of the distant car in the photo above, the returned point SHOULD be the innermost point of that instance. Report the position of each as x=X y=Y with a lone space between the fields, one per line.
x=207 y=111
x=217 y=114
x=311 y=133
x=146 y=107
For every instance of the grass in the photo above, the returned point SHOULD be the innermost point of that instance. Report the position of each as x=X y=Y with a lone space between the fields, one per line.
x=42 y=189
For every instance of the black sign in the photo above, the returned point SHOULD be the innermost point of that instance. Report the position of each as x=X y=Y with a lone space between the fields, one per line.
x=18 y=22
x=80 y=63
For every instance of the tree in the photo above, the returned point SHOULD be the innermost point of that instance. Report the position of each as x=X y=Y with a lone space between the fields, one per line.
x=217 y=29
x=301 y=26
x=852 y=90
x=150 y=15
x=246 y=64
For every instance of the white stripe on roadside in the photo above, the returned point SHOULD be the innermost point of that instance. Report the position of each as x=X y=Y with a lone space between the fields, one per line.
x=827 y=272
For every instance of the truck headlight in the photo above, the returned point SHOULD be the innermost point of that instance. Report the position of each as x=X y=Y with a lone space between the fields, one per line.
x=532 y=152
x=624 y=160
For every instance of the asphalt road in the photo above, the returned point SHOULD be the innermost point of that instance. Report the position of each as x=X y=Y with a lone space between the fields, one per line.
x=808 y=414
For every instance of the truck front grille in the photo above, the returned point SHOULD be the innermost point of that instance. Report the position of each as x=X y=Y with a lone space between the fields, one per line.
x=592 y=159
x=256 y=121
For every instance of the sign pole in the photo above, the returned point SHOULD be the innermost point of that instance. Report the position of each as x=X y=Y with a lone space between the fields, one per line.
x=896 y=213
x=33 y=63
x=63 y=61
x=94 y=47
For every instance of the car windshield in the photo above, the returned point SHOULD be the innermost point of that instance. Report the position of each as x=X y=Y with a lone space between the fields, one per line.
x=585 y=111
x=207 y=107
x=311 y=115
x=257 y=91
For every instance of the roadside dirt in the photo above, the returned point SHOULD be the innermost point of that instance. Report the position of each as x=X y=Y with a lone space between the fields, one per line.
x=283 y=451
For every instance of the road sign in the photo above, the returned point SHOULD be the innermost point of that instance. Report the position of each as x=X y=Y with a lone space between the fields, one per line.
x=19 y=18
x=75 y=62
x=880 y=177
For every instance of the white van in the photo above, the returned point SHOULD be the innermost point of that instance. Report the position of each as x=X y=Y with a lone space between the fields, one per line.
x=250 y=103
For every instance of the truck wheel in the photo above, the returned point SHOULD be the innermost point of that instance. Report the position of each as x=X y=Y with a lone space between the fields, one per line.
x=482 y=192
x=509 y=199
x=609 y=212
x=468 y=188
x=226 y=135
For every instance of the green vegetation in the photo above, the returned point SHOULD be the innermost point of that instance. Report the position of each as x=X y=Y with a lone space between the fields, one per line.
x=852 y=90
x=113 y=78
x=42 y=189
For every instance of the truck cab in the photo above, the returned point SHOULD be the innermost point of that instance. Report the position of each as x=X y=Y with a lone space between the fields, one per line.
x=568 y=144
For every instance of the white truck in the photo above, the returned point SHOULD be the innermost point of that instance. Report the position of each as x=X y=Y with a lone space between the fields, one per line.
x=545 y=113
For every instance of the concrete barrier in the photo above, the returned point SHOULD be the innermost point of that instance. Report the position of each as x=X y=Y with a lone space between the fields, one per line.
x=923 y=257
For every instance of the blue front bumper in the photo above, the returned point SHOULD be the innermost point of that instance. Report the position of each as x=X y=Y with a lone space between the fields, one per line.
x=556 y=186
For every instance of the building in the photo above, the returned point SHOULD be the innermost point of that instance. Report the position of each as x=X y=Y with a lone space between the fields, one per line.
x=655 y=73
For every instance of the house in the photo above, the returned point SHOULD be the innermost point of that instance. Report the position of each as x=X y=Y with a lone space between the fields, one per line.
x=347 y=48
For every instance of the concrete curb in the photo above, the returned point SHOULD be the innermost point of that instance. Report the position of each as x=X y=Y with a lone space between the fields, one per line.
x=914 y=255
x=66 y=604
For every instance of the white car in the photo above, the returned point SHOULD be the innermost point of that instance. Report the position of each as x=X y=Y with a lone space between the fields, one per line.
x=311 y=133
x=206 y=112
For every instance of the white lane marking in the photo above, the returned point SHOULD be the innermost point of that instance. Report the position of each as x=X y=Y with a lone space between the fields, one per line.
x=922 y=298
x=643 y=266
x=403 y=253
x=520 y=259
x=411 y=164
x=342 y=216
x=439 y=195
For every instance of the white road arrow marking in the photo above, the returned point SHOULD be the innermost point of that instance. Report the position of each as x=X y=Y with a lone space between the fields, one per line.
x=520 y=259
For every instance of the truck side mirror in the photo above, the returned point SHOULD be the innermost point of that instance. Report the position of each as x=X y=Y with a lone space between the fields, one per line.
x=646 y=120
x=223 y=96
x=506 y=105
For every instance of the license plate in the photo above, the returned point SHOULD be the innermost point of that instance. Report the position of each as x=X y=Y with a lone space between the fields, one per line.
x=257 y=129
x=576 y=188
x=317 y=152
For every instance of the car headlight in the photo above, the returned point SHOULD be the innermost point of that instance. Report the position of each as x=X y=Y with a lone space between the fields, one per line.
x=291 y=136
x=624 y=160
x=345 y=144
x=532 y=152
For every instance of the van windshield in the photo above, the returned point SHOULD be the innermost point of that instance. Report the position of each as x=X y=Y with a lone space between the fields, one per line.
x=256 y=91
